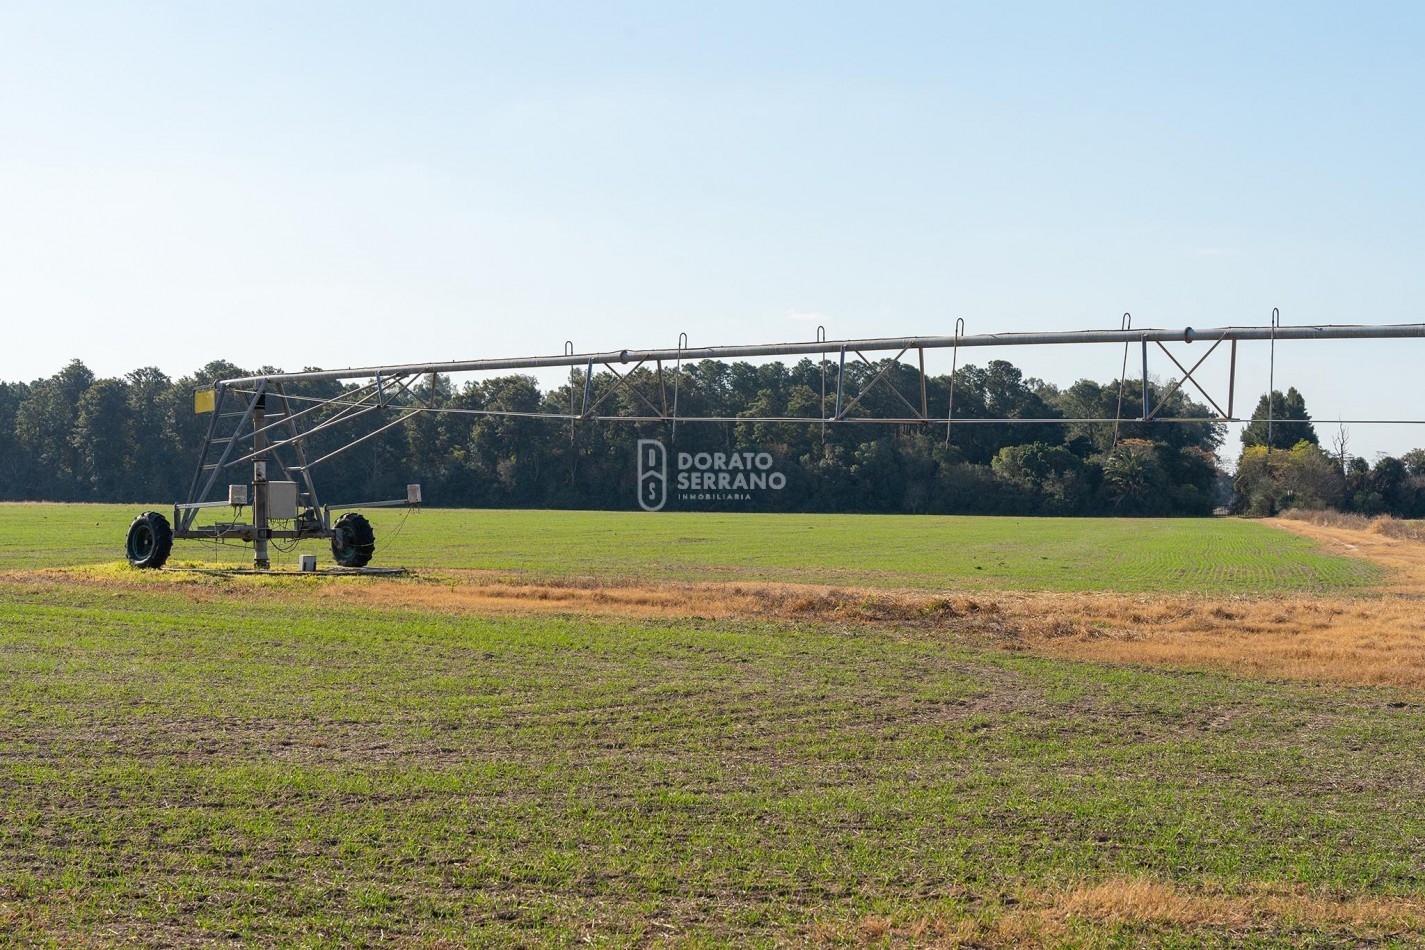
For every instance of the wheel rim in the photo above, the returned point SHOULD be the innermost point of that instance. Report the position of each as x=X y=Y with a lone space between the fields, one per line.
x=142 y=544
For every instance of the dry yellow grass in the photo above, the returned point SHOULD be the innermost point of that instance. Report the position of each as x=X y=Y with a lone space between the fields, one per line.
x=1047 y=917
x=1405 y=529
x=1368 y=641
x=1373 y=640
x=1396 y=545
x=1138 y=900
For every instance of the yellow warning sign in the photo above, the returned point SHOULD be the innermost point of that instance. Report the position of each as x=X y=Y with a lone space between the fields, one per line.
x=204 y=400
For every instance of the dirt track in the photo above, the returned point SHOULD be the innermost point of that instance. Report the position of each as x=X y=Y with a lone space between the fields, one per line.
x=1405 y=559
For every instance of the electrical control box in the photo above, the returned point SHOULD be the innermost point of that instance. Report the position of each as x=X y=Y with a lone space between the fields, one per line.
x=282 y=501
x=413 y=494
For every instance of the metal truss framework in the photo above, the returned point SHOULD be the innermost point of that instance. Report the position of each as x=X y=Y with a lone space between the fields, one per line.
x=269 y=430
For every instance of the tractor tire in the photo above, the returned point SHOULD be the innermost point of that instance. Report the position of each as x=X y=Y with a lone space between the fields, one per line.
x=150 y=540
x=354 y=542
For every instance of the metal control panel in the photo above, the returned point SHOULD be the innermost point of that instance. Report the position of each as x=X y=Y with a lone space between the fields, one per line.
x=282 y=501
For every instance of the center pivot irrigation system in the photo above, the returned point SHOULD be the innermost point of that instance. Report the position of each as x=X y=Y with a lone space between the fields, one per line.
x=256 y=426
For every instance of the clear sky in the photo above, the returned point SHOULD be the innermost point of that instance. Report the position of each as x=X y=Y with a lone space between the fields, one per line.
x=337 y=184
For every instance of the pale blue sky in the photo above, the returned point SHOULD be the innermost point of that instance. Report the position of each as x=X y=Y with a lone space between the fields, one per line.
x=343 y=184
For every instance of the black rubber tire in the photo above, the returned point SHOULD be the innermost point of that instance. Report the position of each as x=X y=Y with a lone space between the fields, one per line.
x=150 y=540
x=355 y=542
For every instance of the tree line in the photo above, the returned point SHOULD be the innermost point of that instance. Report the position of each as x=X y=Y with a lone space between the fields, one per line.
x=75 y=437
x=1283 y=465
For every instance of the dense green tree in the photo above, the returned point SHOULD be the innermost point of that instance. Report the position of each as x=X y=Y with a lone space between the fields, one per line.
x=1133 y=477
x=102 y=436
x=1056 y=476
x=1273 y=480
x=16 y=470
x=1388 y=487
x=149 y=409
x=1087 y=399
x=1289 y=422
x=998 y=391
x=44 y=425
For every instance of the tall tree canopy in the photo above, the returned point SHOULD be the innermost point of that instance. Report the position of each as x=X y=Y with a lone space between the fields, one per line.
x=1289 y=422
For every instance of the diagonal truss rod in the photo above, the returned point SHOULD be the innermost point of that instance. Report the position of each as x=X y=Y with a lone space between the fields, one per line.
x=259 y=393
x=297 y=448
x=866 y=390
x=345 y=415
x=344 y=400
x=1187 y=377
x=623 y=382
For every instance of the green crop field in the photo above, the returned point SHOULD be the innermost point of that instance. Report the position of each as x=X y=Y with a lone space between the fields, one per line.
x=193 y=759
x=226 y=759
x=1220 y=556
